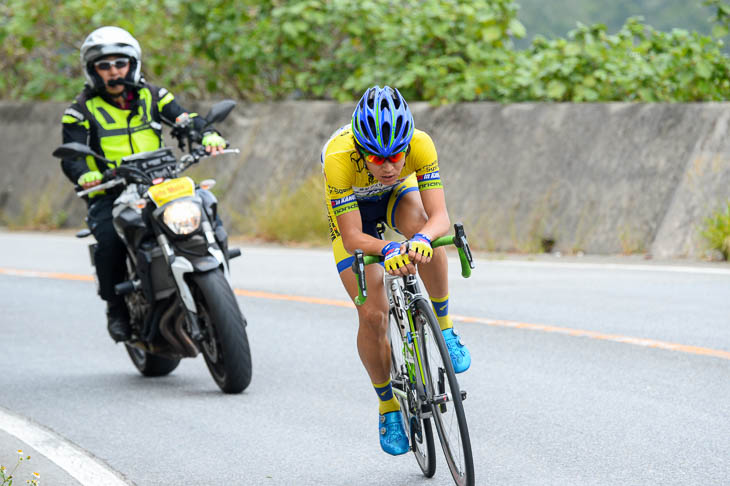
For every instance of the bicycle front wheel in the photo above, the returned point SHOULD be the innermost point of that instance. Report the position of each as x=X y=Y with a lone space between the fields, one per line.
x=444 y=396
x=418 y=428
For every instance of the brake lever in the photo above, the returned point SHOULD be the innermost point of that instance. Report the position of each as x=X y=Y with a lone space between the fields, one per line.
x=461 y=242
x=358 y=267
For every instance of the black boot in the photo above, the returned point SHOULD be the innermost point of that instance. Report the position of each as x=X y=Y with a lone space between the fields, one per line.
x=118 y=321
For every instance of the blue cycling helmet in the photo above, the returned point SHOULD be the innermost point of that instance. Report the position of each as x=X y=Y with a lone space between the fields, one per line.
x=382 y=122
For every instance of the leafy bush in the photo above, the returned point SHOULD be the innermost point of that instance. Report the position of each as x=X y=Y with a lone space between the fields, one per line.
x=437 y=50
x=717 y=231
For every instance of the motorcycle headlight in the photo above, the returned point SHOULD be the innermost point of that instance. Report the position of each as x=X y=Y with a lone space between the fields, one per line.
x=182 y=217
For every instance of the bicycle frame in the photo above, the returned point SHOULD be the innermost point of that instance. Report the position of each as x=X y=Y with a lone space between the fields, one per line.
x=401 y=293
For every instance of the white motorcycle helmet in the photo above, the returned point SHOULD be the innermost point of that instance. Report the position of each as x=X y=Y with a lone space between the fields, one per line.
x=110 y=40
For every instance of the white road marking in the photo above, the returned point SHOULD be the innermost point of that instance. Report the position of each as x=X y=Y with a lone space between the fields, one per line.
x=612 y=266
x=78 y=463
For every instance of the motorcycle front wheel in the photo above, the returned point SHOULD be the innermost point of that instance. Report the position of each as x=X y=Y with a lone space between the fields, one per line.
x=225 y=345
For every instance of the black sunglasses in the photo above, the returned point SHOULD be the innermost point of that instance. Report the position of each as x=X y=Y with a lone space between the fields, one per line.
x=120 y=63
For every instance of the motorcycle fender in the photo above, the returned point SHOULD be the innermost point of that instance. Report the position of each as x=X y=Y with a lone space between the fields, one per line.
x=214 y=249
x=205 y=263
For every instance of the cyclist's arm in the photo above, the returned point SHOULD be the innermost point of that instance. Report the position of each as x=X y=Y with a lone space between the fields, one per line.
x=353 y=238
x=438 y=223
x=425 y=163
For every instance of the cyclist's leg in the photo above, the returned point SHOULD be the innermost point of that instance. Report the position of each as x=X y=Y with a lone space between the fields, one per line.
x=372 y=343
x=406 y=213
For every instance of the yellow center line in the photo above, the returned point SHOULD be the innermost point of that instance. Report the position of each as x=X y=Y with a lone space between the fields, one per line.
x=295 y=298
x=649 y=343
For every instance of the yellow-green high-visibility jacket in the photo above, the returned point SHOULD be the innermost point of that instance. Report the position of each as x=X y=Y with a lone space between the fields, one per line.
x=115 y=132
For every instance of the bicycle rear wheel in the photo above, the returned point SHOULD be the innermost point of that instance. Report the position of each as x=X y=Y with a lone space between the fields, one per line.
x=418 y=428
x=444 y=394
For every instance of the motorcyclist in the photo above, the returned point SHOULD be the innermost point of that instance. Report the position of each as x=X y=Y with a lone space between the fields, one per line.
x=117 y=114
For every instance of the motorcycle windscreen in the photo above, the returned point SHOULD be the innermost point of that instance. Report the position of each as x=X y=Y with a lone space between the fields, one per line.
x=170 y=190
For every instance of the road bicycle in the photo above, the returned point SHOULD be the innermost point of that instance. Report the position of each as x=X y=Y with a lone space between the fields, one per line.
x=422 y=375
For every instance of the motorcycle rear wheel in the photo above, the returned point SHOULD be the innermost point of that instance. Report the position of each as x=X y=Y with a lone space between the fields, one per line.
x=151 y=364
x=225 y=348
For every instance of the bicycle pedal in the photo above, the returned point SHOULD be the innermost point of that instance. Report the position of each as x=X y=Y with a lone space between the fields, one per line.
x=463 y=395
x=438 y=399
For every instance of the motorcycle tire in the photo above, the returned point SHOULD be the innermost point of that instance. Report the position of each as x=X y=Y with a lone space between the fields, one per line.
x=225 y=348
x=150 y=364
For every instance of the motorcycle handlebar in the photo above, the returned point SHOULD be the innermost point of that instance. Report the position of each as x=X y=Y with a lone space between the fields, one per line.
x=100 y=187
x=199 y=153
x=113 y=178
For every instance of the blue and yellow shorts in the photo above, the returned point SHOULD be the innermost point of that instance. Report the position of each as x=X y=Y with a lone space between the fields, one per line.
x=372 y=213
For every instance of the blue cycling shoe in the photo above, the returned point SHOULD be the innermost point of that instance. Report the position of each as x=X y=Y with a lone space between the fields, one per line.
x=393 y=437
x=460 y=356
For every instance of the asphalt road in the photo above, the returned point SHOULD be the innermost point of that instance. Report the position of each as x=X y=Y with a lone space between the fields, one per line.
x=545 y=407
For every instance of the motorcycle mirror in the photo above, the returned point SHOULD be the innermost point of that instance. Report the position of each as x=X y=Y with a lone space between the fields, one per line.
x=75 y=149
x=219 y=111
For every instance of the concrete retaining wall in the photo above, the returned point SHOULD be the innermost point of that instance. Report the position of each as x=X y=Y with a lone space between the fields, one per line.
x=601 y=178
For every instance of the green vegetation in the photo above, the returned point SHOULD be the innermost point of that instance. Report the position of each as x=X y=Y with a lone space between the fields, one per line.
x=437 y=50
x=297 y=216
x=7 y=477
x=717 y=231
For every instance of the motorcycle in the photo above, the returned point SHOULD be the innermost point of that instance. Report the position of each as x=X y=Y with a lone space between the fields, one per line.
x=178 y=290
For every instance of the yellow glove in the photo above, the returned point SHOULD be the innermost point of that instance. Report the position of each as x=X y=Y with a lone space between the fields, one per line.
x=420 y=243
x=394 y=259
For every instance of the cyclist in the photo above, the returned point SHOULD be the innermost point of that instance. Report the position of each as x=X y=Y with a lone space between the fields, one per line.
x=117 y=114
x=380 y=168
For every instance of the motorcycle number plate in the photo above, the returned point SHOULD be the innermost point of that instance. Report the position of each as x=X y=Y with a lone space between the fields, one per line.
x=172 y=189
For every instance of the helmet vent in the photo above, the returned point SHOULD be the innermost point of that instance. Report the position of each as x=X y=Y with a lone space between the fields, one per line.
x=386 y=134
x=370 y=100
x=399 y=124
x=371 y=125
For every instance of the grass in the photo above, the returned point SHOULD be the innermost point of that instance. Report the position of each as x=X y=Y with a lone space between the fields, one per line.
x=717 y=231
x=299 y=216
x=38 y=214
x=630 y=242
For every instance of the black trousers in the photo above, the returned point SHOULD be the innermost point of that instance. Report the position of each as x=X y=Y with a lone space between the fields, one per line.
x=110 y=255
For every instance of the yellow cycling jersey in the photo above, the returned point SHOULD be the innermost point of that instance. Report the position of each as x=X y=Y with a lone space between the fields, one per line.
x=348 y=180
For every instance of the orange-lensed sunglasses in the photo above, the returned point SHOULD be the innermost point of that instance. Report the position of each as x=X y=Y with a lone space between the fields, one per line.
x=378 y=160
